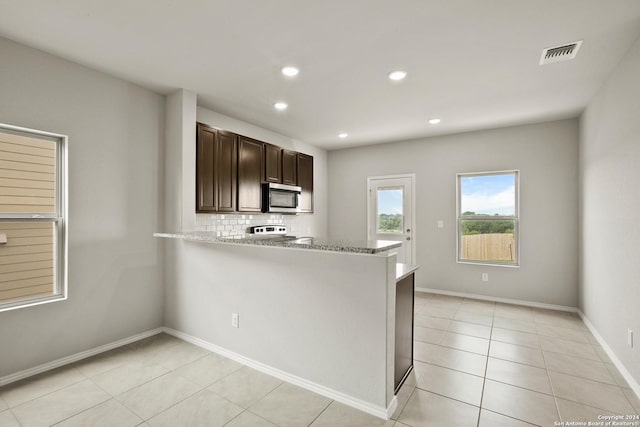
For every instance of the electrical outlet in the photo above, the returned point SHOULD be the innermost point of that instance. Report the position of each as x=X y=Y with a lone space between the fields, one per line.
x=440 y=223
x=485 y=277
x=630 y=337
x=235 y=320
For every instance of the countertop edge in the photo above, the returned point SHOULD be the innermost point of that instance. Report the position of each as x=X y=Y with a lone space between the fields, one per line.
x=404 y=270
x=338 y=246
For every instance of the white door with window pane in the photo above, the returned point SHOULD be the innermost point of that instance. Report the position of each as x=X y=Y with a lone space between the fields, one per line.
x=390 y=212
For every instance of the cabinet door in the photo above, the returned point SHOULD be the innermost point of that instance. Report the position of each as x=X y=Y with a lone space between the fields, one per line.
x=250 y=173
x=305 y=180
x=289 y=167
x=272 y=163
x=226 y=176
x=206 y=142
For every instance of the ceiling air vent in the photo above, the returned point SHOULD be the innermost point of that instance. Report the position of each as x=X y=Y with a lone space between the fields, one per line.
x=560 y=53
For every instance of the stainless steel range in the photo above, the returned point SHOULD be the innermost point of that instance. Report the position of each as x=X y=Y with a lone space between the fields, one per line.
x=276 y=233
x=269 y=230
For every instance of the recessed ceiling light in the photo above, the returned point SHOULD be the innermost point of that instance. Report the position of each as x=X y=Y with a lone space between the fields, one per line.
x=290 y=71
x=434 y=121
x=397 y=75
x=280 y=106
x=343 y=135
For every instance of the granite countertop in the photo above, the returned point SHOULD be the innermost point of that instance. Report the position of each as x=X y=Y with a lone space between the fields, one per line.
x=347 y=246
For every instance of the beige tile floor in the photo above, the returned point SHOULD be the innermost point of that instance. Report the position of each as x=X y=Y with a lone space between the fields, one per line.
x=476 y=364
x=481 y=363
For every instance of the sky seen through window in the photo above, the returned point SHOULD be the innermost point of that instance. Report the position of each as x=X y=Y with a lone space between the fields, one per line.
x=488 y=194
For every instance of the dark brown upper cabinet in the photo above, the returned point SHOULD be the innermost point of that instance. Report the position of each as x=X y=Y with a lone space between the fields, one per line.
x=227 y=171
x=216 y=162
x=230 y=170
x=272 y=163
x=206 y=200
x=289 y=167
x=250 y=174
x=305 y=181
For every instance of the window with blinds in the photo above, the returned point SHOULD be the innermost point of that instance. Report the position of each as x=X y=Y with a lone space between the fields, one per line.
x=32 y=217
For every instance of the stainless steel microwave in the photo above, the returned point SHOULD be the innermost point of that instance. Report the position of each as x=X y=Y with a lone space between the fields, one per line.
x=280 y=198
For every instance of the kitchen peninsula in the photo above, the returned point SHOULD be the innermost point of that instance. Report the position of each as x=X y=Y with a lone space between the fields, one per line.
x=317 y=313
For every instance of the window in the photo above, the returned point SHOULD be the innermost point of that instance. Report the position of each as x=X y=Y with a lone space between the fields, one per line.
x=390 y=207
x=488 y=218
x=32 y=217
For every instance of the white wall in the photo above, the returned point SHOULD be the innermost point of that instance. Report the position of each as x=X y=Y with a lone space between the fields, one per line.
x=321 y=316
x=610 y=203
x=180 y=126
x=115 y=146
x=546 y=155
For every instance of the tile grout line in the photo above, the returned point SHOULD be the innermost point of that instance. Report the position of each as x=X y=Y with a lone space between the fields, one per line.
x=144 y=420
x=486 y=368
x=123 y=348
x=58 y=390
x=247 y=410
x=86 y=409
x=452 y=369
x=321 y=412
x=170 y=371
x=553 y=391
x=14 y=416
x=512 y=417
x=512 y=385
x=520 y=387
x=242 y=412
x=50 y=392
x=582 y=377
x=448 y=397
x=197 y=392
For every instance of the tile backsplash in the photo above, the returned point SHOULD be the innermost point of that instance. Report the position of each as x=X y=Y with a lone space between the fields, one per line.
x=237 y=225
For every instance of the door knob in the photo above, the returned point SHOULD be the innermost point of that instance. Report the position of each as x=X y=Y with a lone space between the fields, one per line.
x=409 y=238
x=408 y=230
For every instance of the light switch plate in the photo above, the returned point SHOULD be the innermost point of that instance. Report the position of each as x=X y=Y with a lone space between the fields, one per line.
x=235 y=320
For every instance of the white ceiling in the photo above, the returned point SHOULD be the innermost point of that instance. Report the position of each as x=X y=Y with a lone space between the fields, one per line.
x=472 y=63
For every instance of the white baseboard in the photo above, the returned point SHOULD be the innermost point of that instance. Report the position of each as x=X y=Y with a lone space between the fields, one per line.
x=497 y=299
x=75 y=357
x=618 y=364
x=377 y=411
